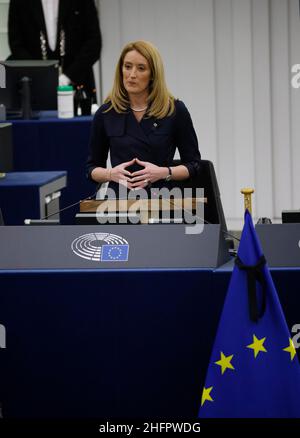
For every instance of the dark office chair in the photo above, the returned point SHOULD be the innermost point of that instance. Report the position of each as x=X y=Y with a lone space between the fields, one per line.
x=213 y=209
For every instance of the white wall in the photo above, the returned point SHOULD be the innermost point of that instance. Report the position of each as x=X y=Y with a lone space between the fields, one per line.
x=230 y=62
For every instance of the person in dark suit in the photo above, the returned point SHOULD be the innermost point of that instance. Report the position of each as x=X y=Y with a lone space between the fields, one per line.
x=67 y=30
x=141 y=124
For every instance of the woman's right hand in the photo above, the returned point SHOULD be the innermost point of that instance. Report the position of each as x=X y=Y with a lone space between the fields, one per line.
x=120 y=175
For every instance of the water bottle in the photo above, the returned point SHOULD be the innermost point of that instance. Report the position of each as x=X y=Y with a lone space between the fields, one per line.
x=65 y=102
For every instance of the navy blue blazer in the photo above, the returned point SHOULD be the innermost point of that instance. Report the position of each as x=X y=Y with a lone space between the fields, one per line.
x=153 y=140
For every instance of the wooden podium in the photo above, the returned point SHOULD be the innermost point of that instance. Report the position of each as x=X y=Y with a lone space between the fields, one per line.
x=149 y=210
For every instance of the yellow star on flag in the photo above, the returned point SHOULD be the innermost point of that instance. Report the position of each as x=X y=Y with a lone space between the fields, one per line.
x=206 y=395
x=225 y=362
x=291 y=349
x=257 y=345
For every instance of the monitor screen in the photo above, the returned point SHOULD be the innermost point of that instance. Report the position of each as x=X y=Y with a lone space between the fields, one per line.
x=43 y=82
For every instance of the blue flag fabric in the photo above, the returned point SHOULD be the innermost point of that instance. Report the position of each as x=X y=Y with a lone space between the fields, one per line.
x=114 y=253
x=254 y=371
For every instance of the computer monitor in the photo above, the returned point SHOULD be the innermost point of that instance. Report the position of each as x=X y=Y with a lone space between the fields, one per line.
x=37 y=93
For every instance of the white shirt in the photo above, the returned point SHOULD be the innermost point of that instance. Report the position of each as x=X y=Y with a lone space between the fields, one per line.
x=50 y=8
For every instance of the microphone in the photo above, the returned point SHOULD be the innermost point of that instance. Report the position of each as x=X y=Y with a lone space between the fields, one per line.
x=46 y=221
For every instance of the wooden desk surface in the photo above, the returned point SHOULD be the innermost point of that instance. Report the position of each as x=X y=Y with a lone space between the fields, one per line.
x=123 y=205
x=146 y=208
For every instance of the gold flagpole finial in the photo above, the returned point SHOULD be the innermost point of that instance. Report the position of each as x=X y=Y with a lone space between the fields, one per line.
x=247 y=192
x=2 y=175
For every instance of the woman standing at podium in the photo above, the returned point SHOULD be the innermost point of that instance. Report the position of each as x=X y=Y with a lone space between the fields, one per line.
x=141 y=124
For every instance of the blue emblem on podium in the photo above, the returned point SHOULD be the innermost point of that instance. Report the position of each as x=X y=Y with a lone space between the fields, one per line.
x=114 y=253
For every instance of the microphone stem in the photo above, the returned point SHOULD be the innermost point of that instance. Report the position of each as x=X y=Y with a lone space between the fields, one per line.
x=69 y=206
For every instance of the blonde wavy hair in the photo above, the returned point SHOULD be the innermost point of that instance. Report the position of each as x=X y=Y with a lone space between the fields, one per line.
x=160 y=100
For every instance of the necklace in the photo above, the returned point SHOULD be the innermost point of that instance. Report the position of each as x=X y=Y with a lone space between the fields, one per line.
x=138 y=110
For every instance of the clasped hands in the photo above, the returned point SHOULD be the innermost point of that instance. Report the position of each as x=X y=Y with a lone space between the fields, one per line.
x=137 y=180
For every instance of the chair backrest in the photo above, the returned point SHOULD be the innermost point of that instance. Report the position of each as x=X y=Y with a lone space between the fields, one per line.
x=213 y=209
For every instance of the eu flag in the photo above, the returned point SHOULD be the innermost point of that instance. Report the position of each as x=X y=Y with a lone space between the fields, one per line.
x=114 y=253
x=254 y=371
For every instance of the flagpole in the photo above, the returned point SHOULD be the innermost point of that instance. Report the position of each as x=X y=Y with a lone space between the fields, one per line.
x=247 y=192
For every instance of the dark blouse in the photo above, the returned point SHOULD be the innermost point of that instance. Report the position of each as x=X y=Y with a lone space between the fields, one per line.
x=153 y=140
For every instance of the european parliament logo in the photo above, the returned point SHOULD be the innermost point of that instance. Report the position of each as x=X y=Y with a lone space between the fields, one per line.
x=101 y=247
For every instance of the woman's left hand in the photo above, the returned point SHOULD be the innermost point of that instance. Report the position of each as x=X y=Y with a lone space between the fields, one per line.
x=150 y=174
